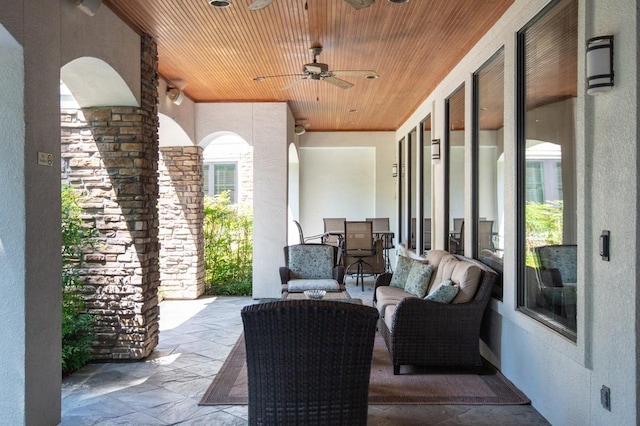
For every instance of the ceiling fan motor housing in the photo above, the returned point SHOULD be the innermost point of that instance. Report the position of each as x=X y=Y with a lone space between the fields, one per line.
x=315 y=68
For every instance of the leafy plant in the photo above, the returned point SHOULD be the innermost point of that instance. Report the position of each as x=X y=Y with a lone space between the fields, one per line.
x=77 y=325
x=543 y=227
x=228 y=247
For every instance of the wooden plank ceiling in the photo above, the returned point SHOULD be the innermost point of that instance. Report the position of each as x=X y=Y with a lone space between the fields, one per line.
x=213 y=54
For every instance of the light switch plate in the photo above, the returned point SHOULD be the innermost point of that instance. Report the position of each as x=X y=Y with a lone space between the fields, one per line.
x=45 y=159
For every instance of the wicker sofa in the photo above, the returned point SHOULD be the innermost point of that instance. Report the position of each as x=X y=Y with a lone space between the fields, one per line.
x=432 y=334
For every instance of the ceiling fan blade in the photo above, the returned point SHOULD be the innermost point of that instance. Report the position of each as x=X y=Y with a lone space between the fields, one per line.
x=259 y=4
x=338 y=82
x=357 y=73
x=359 y=4
x=294 y=84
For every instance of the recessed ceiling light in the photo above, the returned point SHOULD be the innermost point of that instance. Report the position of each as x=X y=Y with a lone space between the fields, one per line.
x=353 y=110
x=220 y=3
x=398 y=1
x=258 y=78
x=372 y=76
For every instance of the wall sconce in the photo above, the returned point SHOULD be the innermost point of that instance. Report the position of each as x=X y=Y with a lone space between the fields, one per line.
x=394 y=170
x=175 y=95
x=599 y=64
x=435 y=149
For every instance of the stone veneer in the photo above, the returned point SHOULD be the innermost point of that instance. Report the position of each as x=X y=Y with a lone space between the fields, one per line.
x=181 y=207
x=111 y=154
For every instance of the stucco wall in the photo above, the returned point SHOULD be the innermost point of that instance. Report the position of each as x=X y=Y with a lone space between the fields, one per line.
x=12 y=228
x=563 y=378
x=268 y=128
x=338 y=168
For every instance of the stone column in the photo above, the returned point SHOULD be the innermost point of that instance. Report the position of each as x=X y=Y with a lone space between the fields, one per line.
x=111 y=154
x=180 y=208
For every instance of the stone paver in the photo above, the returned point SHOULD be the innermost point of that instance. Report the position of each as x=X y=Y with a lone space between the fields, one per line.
x=195 y=338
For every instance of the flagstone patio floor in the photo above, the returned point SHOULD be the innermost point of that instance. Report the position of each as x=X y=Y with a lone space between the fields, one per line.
x=195 y=338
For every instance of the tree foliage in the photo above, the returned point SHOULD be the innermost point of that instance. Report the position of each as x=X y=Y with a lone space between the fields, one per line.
x=77 y=325
x=228 y=247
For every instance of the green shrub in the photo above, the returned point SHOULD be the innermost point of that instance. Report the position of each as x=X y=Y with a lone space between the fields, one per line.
x=77 y=325
x=543 y=227
x=228 y=248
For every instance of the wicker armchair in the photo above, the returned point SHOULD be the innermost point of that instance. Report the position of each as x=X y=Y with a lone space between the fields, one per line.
x=435 y=334
x=308 y=362
x=311 y=266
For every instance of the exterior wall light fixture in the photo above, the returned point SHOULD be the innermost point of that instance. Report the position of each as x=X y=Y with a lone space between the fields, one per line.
x=599 y=64
x=435 y=149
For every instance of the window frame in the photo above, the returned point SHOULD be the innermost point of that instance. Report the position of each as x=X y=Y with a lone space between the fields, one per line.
x=212 y=186
x=520 y=184
x=475 y=159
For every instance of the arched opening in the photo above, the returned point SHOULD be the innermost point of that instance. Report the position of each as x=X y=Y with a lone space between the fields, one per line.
x=109 y=152
x=228 y=166
x=228 y=213
x=180 y=213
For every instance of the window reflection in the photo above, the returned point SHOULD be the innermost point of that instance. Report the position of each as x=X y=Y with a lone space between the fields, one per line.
x=489 y=158
x=455 y=163
x=412 y=175
x=426 y=184
x=547 y=203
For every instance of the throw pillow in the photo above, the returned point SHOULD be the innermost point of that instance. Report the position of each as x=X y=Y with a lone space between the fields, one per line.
x=444 y=293
x=418 y=279
x=401 y=273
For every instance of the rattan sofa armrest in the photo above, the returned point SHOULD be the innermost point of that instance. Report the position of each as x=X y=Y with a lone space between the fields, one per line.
x=383 y=279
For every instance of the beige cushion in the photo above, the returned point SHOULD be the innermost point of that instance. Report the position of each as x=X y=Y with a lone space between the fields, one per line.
x=464 y=274
x=442 y=265
x=435 y=256
x=467 y=276
x=389 y=296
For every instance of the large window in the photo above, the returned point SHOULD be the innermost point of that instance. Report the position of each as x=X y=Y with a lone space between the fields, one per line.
x=547 y=192
x=488 y=155
x=455 y=171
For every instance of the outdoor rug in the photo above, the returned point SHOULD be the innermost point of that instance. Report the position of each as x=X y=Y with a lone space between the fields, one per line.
x=412 y=386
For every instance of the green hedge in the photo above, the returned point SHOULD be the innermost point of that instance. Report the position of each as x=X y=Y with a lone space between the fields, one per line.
x=228 y=247
x=77 y=325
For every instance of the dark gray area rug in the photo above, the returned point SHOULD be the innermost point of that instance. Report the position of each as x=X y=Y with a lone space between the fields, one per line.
x=413 y=386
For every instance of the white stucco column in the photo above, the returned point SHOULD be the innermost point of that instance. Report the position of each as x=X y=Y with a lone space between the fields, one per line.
x=268 y=128
x=270 y=163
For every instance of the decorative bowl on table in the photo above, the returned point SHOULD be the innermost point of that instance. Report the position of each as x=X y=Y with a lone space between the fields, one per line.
x=315 y=294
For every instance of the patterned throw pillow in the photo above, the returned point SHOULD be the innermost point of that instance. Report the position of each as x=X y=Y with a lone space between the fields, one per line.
x=444 y=293
x=403 y=267
x=418 y=279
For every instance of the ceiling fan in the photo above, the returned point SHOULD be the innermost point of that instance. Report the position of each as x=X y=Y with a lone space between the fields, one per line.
x=319 y=71
x=356 y=4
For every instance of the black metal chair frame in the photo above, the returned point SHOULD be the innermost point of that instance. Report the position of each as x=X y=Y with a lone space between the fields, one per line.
x=359 y=251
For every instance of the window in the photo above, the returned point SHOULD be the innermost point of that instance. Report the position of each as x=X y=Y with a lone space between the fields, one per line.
x=426 y=183
x=455 y=169
x=546 y=151
x=225 y=179
x=488 y=157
